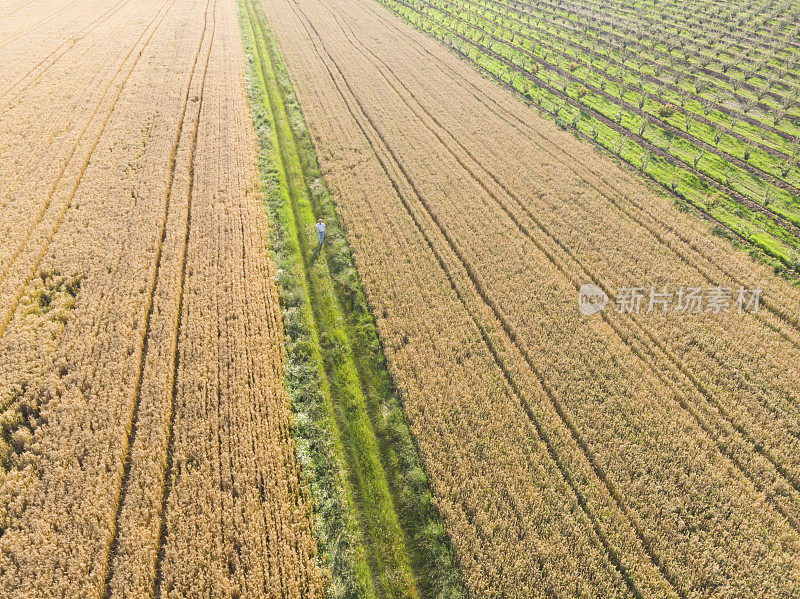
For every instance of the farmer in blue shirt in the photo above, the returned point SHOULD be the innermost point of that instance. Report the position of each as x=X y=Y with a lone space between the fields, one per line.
x=320 y=232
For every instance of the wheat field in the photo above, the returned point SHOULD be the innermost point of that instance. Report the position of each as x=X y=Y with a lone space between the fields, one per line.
x=141 y=391
x=197 y=400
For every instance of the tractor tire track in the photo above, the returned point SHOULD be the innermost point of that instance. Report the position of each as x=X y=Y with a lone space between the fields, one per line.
x=17 y=9
x=65 y=47
x=168 y=474
x=50 y=133
x=145 y=335
x=43 y=21
x=46 y=138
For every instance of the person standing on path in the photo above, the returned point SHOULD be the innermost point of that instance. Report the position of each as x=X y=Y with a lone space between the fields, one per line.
x=320 y=233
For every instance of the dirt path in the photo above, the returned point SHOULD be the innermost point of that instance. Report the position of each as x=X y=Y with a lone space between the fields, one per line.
x=604 y=455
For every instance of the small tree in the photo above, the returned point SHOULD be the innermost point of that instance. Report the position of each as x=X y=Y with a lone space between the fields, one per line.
x=619 y=144
x=771 y=81
x=698 y=157
x=642 y=127
x=673 y=182
x=644 y=160
x=789 y=101
x=769 y=195
x=713 y=200
x=700 y=86
x=730 y=175
x=793 y=260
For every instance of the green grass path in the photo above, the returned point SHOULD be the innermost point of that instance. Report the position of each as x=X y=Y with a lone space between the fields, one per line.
x=395 y=545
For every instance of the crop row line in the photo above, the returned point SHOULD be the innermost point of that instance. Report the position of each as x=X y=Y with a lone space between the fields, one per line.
x=737 y=33
x=66 y=46
x=785 y=185
x=592 y=16
x=755 y=171
x=622 y=42
x=15 y=302
x=145 y=331
x=166 y=483
x=699 y=117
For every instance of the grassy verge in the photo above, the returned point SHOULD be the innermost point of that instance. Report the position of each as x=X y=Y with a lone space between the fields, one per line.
x=377 y=526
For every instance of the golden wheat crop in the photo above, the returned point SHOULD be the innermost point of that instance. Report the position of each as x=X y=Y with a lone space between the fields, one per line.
x=145 y=442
